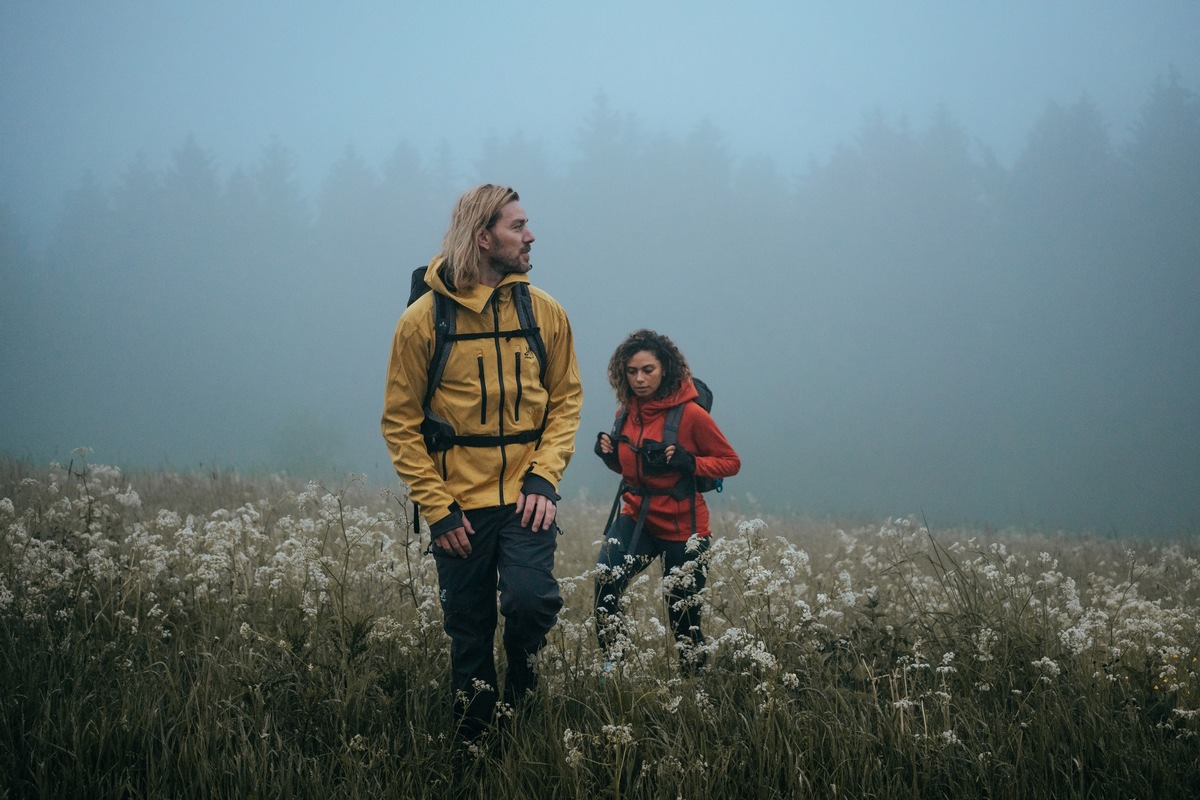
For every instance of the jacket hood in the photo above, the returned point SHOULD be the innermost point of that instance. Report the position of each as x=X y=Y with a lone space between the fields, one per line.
x=475 y=298
x=685 y=393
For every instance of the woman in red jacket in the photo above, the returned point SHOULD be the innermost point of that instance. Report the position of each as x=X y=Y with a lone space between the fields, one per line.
x=662 y=513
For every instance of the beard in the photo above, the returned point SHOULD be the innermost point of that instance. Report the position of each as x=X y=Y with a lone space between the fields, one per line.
x=503 y=265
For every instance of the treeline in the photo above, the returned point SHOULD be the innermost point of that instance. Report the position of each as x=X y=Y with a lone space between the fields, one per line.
x=907 y=325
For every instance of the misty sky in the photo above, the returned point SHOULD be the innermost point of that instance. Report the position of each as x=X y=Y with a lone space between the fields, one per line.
x=90 y=86
x=979 y=217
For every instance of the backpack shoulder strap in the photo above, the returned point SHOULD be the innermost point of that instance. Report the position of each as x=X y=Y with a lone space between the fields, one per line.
x=671 y=424
x=618 y=424
x=529 y=325
x=445 y=324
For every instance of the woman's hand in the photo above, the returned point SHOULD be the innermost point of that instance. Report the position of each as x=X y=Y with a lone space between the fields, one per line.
x=605 y=442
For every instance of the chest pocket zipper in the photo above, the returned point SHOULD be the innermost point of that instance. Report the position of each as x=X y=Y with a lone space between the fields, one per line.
x=482 y=393
x=517 y=404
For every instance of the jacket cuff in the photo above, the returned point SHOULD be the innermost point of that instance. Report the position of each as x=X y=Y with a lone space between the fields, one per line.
x=536 y=484
x=448 y=523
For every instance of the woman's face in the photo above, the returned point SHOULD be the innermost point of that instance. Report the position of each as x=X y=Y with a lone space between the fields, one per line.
x=644 y=373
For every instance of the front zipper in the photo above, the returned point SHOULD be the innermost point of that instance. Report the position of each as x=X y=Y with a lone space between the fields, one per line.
x=637 y=453
x=500 y=383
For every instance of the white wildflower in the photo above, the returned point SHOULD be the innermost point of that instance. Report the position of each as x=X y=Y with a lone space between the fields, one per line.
x=1048 y=667
x=750 y=527
x=572 y=741
x=129 y=498
x=617 y=735
x=984 y=641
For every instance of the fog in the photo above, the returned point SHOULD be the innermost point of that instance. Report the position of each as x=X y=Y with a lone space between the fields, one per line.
x=932 y=258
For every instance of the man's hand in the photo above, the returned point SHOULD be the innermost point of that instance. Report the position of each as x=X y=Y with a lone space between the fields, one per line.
x=457 y=540
x=538 y=508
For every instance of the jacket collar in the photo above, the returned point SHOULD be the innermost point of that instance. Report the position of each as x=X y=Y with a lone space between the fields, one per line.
x=475 y=298
x=650 y=408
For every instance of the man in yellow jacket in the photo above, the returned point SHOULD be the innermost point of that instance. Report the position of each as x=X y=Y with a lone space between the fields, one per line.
x=483 y=454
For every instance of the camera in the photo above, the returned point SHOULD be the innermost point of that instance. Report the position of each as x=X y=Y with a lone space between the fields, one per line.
x=654 y=456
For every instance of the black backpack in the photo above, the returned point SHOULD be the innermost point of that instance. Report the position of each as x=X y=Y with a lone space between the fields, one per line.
x=439 y=434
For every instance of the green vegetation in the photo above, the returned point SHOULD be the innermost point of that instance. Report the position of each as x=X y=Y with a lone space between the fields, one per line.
x=167 y=635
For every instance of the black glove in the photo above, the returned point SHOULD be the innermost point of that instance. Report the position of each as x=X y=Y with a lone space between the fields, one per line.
x=609 y=459
x=683 y=460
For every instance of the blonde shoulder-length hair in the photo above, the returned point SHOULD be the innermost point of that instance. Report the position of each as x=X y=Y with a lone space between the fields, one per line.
x=476 y=211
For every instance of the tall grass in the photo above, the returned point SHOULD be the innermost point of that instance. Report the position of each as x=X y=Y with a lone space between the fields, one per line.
x=166 y=635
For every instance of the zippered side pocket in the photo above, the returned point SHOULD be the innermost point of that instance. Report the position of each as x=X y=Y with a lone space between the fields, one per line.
x=482 y=393
x=517 y=370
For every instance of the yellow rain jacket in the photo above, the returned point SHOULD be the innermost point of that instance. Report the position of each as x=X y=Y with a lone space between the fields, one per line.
x=490 y=387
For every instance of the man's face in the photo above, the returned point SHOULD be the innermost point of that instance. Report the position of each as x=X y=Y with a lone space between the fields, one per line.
x=505 y=246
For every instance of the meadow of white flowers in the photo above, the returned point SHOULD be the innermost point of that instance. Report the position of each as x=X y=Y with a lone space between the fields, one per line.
x=191 y=635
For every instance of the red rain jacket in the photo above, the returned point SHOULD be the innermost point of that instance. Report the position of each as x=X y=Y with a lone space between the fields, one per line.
x=669 y=518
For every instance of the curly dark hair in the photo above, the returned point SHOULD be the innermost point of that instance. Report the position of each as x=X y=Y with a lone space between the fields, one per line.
x=674 y=365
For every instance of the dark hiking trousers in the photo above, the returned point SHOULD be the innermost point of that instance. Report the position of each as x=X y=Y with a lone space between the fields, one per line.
x=618 y=567
x=518 y=563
